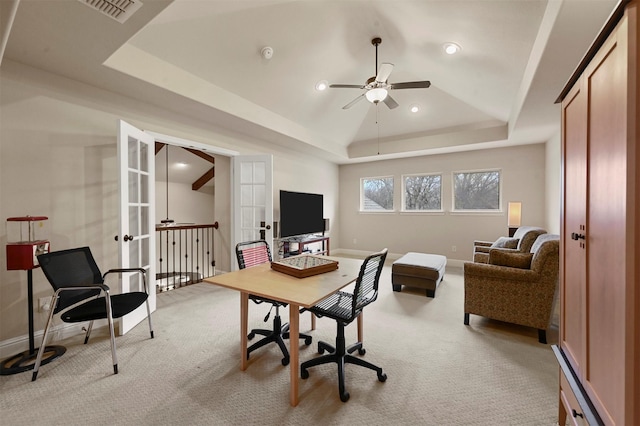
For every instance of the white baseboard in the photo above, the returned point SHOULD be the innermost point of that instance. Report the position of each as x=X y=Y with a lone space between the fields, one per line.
x=20 y=344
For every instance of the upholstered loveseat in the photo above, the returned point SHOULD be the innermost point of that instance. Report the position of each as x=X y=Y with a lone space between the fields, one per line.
x=515 y=287
x=521 y=242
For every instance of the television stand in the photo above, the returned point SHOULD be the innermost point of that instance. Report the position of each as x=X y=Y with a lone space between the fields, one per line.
x=288 y=250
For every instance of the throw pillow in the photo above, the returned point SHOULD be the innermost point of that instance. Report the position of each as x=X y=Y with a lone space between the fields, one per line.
x=512 y=260
x=506 y=242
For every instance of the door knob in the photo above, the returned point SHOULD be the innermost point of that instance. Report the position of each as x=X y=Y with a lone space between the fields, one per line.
x=577 y=237
x=128 y=238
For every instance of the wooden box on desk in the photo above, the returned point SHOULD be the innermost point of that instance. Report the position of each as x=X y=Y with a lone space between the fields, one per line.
x=303 y=266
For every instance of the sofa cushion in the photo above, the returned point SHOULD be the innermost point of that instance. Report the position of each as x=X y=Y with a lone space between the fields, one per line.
x=511 y=260
x=506 y=242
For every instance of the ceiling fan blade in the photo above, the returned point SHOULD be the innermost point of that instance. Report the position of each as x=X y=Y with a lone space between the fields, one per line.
x=384 y=72
x=390 y=102
x=411 y=85
x=346 y=86
x=353 y=102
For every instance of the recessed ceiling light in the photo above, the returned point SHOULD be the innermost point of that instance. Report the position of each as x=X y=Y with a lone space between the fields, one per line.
x=414 y=108
x=322 y=85
x=181 y=165
x=451 y=48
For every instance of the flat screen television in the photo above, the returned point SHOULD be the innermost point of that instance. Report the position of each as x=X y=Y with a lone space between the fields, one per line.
x=301 y=213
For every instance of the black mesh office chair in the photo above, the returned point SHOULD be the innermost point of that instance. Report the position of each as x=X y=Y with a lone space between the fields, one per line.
x=76 y=280
x=344 y=308
x=251 y=253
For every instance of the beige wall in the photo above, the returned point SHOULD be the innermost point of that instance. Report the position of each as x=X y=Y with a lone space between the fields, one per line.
x=523 y=179
x=58 y=159
x=553 y=183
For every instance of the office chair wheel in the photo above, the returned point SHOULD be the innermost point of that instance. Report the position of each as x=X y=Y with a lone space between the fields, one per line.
x=382 y=377
x=344 y=397
x=308 y=340
x=251 y=335
x=285 y=360
x=304 y=373
x=362 y=351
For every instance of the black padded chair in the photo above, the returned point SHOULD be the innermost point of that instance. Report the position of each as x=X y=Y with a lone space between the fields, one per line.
x=81 y=295
x=344 y=308
x=251 y=253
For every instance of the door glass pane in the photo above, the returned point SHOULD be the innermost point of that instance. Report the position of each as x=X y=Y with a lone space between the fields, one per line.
x=135 y=282
x=134 y=256
x=246 y=173
x=259 y=195
x=250 y=235
x=247 y=217
x=144 y=155
x=259 y=214
x=246 y=195
x=133 y=221
x=144 y=188
x=144 y=220
x=133 y=153
x=133 y=187
x=259 y=173
x=144 y=243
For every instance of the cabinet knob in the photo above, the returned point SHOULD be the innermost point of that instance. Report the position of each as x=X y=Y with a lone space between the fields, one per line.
x=575 y=414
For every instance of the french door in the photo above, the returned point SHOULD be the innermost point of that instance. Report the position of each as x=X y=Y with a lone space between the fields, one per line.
x=252 y=200
x=136 y=237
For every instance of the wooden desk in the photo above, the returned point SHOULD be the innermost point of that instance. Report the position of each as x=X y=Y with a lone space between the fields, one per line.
x=261 y=280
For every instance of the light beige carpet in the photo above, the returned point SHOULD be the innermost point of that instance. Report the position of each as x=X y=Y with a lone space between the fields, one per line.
x=440 y=372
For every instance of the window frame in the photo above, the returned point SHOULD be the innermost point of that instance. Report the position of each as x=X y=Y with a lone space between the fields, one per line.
x=496 y=211
x=362 y=197
x=403 y=208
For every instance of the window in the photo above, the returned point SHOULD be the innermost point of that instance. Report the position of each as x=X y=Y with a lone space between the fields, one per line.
x=376 y=194
x=422 y=193
x=476 y=190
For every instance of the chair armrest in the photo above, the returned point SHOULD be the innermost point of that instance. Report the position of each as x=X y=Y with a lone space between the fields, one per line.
x=122 y=270
x=499 y=272
x=125 y=270
x=102 y=287
x=478 y=243
x=481 y=249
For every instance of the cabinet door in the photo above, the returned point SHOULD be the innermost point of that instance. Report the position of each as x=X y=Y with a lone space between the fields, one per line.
x=573 y=271
x=607 y=228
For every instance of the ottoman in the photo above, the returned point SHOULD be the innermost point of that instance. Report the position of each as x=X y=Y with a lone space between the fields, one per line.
x=418 y=270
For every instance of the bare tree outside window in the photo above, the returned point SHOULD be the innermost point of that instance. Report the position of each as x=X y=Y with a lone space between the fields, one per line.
x=423 y=192
x=477 y=190
x=377 y=194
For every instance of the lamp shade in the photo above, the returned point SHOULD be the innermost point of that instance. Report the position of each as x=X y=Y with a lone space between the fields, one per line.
x=514 y=215
x=376 y=95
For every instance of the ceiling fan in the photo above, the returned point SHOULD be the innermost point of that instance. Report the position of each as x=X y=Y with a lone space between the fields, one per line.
x=377 y=88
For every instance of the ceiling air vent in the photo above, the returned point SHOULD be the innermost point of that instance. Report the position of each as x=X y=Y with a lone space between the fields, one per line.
x=120 y=10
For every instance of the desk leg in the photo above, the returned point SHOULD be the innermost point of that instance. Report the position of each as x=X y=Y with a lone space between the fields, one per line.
x=313 y=321
x=294 y=345
x=244 y=320
x=360 y=328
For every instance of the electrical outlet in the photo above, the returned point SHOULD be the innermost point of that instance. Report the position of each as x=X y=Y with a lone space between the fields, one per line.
x=454 y=248
x=44 y=304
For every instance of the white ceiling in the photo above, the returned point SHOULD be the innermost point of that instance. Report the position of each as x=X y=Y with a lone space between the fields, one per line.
x=202 y=58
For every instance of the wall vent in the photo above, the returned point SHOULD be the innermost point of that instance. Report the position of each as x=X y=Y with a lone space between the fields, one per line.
x=120 y=10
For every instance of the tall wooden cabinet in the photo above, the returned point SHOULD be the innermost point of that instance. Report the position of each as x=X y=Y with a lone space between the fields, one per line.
x=599 y=345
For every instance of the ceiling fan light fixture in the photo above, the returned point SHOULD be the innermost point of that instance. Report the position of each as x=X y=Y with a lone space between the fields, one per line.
x=376 y=95
x=322 y=85
x=451 y=48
